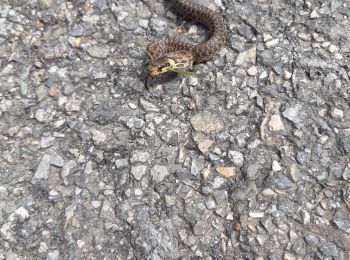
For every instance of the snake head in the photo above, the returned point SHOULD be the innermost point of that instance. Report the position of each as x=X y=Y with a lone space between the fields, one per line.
x=161 y=66
x=175 y=61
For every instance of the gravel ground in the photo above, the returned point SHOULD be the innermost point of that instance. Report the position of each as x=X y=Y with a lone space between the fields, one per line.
x=248 y=158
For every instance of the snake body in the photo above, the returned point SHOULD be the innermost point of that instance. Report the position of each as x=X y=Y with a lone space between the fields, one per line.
x=173 y=54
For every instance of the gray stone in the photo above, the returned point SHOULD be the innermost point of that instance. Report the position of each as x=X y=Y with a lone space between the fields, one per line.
x=220 y=197
x=138 y=171
x=331 y=77
x=267 y=224
x=253 y=171
x=158 y=24
x=26 y=232
x=301 y=157
x=334 y=171
x=319 y=211
x=67 y=169
x=345 y=144
x=53 y=255
x=245 y=31
x=311 y=240
x=121 y=163
x=346 y=173
x=42 y=115
x=203 y=143
x=148 y=106
x=293 y=172
x=299 y=247
x=261 y=239
x=96 y=204
x=154 y=240
x=140 y=156
x=170 y=200
x=54 y=195
x=282 y=182
x=200 y=228
x=135 y=123
x=98 y=51
x=329 y=249
x=247 y=57
x=296 y=114
x=47 y=141
x=44 y=4
x=56 y=160
x=210 y=204
x=341 y=225
x=43 y=170
x=159 y=173
x=275 y=256
x=236 y=157
x=321 y=176
x=107 y=212
x=218 y=182
x=206 y=123
x=42 y=92
x=194 y=168
x=344 y=11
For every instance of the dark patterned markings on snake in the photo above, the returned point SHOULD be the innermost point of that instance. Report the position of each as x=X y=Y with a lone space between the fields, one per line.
x=172 y=54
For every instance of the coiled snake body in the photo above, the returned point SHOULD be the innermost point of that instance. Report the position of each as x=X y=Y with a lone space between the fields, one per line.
x=172 y=54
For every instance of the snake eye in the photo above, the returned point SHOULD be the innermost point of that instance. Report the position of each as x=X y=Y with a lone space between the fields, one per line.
x=165 y=65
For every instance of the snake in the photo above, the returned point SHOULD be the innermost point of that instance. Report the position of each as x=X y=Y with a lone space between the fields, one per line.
x=173 y=54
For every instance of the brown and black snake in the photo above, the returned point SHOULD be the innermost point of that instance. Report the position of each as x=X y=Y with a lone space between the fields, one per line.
x=172 y=54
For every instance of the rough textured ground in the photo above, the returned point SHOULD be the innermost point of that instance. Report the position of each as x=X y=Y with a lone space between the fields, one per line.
x=246 y=159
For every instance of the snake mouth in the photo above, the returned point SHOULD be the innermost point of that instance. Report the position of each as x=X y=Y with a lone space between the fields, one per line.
x=166 y=64
x=154 y=71
x=160 y=68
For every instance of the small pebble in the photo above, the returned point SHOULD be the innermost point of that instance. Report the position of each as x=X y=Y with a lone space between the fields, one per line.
x=252 y=71
x=276 y=166
x=314 y=14
x=337 y=114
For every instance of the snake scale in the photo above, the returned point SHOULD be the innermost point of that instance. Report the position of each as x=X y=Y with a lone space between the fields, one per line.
x=172 y=54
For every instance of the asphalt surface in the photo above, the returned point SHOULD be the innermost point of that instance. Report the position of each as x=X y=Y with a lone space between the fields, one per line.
x=248 y=158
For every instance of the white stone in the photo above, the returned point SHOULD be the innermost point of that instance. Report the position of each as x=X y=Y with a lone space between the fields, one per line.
x=252 y=71
x=267 y=37
x=337 y=114
x=272 y=43
x=276 y=123
x=276 y=167
x=314 y=14
x=22 y=213
x=256 y=214
x=98 y=136
x=193 y=81
x=325 y=45
x=332 y=48
x=287 y=75
x=43 y=247
x=246 y=57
